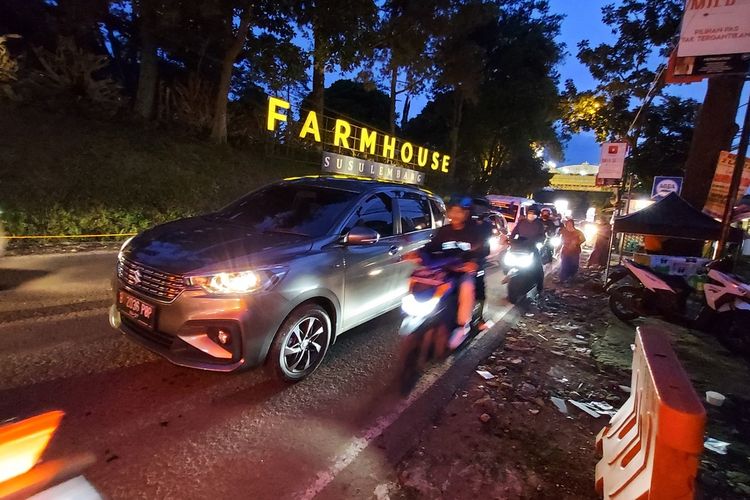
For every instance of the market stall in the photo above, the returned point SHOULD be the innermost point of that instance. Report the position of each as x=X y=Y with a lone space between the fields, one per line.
x=644 y=236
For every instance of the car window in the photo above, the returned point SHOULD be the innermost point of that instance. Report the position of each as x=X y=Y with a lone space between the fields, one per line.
x=438 y=211
x=375 y=213
x=290 y=208
x=415 y=212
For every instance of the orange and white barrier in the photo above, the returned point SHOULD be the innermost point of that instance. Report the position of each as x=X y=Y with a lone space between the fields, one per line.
x=650 y=448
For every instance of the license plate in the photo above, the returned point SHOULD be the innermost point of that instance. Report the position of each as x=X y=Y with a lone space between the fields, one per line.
x=136 y=309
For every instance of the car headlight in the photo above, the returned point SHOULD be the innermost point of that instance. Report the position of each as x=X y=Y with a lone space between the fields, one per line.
x=412 y=307
x=555 y=241
x=237 y=282
x=517 y=259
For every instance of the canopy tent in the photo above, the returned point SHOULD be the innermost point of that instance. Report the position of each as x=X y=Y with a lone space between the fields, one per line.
x=672 y=217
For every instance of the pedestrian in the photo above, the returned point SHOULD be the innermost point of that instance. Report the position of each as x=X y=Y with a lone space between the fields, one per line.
x=570 y=254
x=598 y=258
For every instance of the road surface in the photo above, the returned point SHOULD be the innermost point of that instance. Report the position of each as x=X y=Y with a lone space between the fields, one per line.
x=162 y=431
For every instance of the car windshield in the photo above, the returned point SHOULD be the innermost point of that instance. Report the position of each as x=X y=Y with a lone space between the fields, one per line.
x=291 y=209
x=508 y=211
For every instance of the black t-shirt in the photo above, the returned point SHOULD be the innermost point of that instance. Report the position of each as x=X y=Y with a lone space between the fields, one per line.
x=465 y=243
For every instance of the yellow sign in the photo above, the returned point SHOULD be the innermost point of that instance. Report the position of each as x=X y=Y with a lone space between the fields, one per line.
x=356 y=139
x=569 y=182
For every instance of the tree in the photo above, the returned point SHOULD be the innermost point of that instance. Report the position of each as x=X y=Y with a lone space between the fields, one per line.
x=340 y=31
x=648 y=29
x=666 y=133
x=358 y=101
x=500 y=101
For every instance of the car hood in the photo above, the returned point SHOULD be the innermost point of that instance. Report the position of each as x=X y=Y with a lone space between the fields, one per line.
x=201 y=245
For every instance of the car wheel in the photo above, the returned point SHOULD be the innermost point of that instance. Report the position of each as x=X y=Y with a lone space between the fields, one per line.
x=301 y=343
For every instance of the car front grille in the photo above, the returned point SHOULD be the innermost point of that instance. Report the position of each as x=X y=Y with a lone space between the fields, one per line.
x=150 y=282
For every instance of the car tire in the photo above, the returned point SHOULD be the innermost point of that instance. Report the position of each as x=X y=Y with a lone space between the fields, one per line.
x=300 y=344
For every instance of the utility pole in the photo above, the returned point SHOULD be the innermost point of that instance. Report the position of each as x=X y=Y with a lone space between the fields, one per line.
x=739 y=167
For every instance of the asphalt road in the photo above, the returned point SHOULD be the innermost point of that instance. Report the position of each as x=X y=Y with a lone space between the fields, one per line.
x=162 y=431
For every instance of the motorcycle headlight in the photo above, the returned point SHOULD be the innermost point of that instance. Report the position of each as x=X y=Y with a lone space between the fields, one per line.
x=237 y=282
x=539 y=246
x=412 y=307
x=555 y=241
x=520 y=260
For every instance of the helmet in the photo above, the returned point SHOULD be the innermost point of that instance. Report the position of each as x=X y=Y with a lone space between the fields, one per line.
x=464 y=202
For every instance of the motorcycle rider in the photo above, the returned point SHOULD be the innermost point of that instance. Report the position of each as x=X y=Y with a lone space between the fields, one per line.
x=479 y=213
x=462 y=239
x=551 y=226
x=532 y=229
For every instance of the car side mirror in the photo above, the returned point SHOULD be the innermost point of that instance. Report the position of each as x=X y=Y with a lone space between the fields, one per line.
x=360 y=235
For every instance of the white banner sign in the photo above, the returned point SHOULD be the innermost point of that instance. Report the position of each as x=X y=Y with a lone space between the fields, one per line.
x=715 y=27
x=612 y=160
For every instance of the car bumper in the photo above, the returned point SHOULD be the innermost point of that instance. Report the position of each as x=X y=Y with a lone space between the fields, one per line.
x=185 y=330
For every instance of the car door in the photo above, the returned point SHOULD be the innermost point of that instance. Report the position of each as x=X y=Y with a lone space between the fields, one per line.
x=370 y=283
x=415 y=224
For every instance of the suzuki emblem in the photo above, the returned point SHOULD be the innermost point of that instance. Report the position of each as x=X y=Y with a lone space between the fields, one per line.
x=135 y=277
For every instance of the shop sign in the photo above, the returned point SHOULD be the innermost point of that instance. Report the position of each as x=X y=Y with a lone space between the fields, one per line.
x=335 y=163
x=664 y=186
x=357 y=140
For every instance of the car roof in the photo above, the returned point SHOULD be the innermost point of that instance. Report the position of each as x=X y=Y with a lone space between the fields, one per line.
x=353 y=184
x=499 y=198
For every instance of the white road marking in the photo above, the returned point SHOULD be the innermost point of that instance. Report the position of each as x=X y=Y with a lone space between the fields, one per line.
x=357 y=445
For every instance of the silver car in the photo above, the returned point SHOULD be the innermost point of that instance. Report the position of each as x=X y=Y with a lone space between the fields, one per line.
x=274 y=277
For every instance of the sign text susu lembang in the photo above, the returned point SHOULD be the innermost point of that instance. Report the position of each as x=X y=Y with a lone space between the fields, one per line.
x=357 y=139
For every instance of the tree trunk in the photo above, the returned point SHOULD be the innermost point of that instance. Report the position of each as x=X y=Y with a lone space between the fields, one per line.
x=458 y=108
x=394 y=83
x=219 y=126
x=319 y=74
x=714 y=130
x=148 y=73
x=405 y=111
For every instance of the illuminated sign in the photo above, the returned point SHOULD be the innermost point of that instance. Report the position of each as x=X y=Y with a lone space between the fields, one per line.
x=341 y=164
x=357 y=140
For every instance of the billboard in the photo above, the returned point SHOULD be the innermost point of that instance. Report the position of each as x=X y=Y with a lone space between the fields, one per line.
x=717 y=196
x=612 y=160
x=715 y=27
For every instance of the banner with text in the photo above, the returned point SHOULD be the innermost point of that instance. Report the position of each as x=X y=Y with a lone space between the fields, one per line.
x=715 y=27
x=335 y=163
x=612 y=160
x=717 y=197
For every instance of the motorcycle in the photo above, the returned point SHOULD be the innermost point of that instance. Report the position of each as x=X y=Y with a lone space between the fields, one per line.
x=551 y=246
x=429 y=316
x=723 y=309
x=22 y=443
x=521 y=269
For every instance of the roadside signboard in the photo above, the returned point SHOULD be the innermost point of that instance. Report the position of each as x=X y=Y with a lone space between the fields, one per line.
x=335 y=163
x=717 y=197
x=693 y=69
x=664 y=185
x=612 y=160
x=715 y=27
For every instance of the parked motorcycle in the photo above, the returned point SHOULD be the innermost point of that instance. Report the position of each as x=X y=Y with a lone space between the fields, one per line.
x=521 y=268
x=723 y=309
x=429 y=317
x=22 y=476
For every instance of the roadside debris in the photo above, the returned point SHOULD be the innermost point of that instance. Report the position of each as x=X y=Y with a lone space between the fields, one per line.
x=716 y=446
x=485 y=374
x=560 y=404
x=715 y=398
x=584 y=407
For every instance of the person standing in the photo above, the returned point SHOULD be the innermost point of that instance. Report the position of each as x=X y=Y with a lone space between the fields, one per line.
x=598 y=257
x=570 y=254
